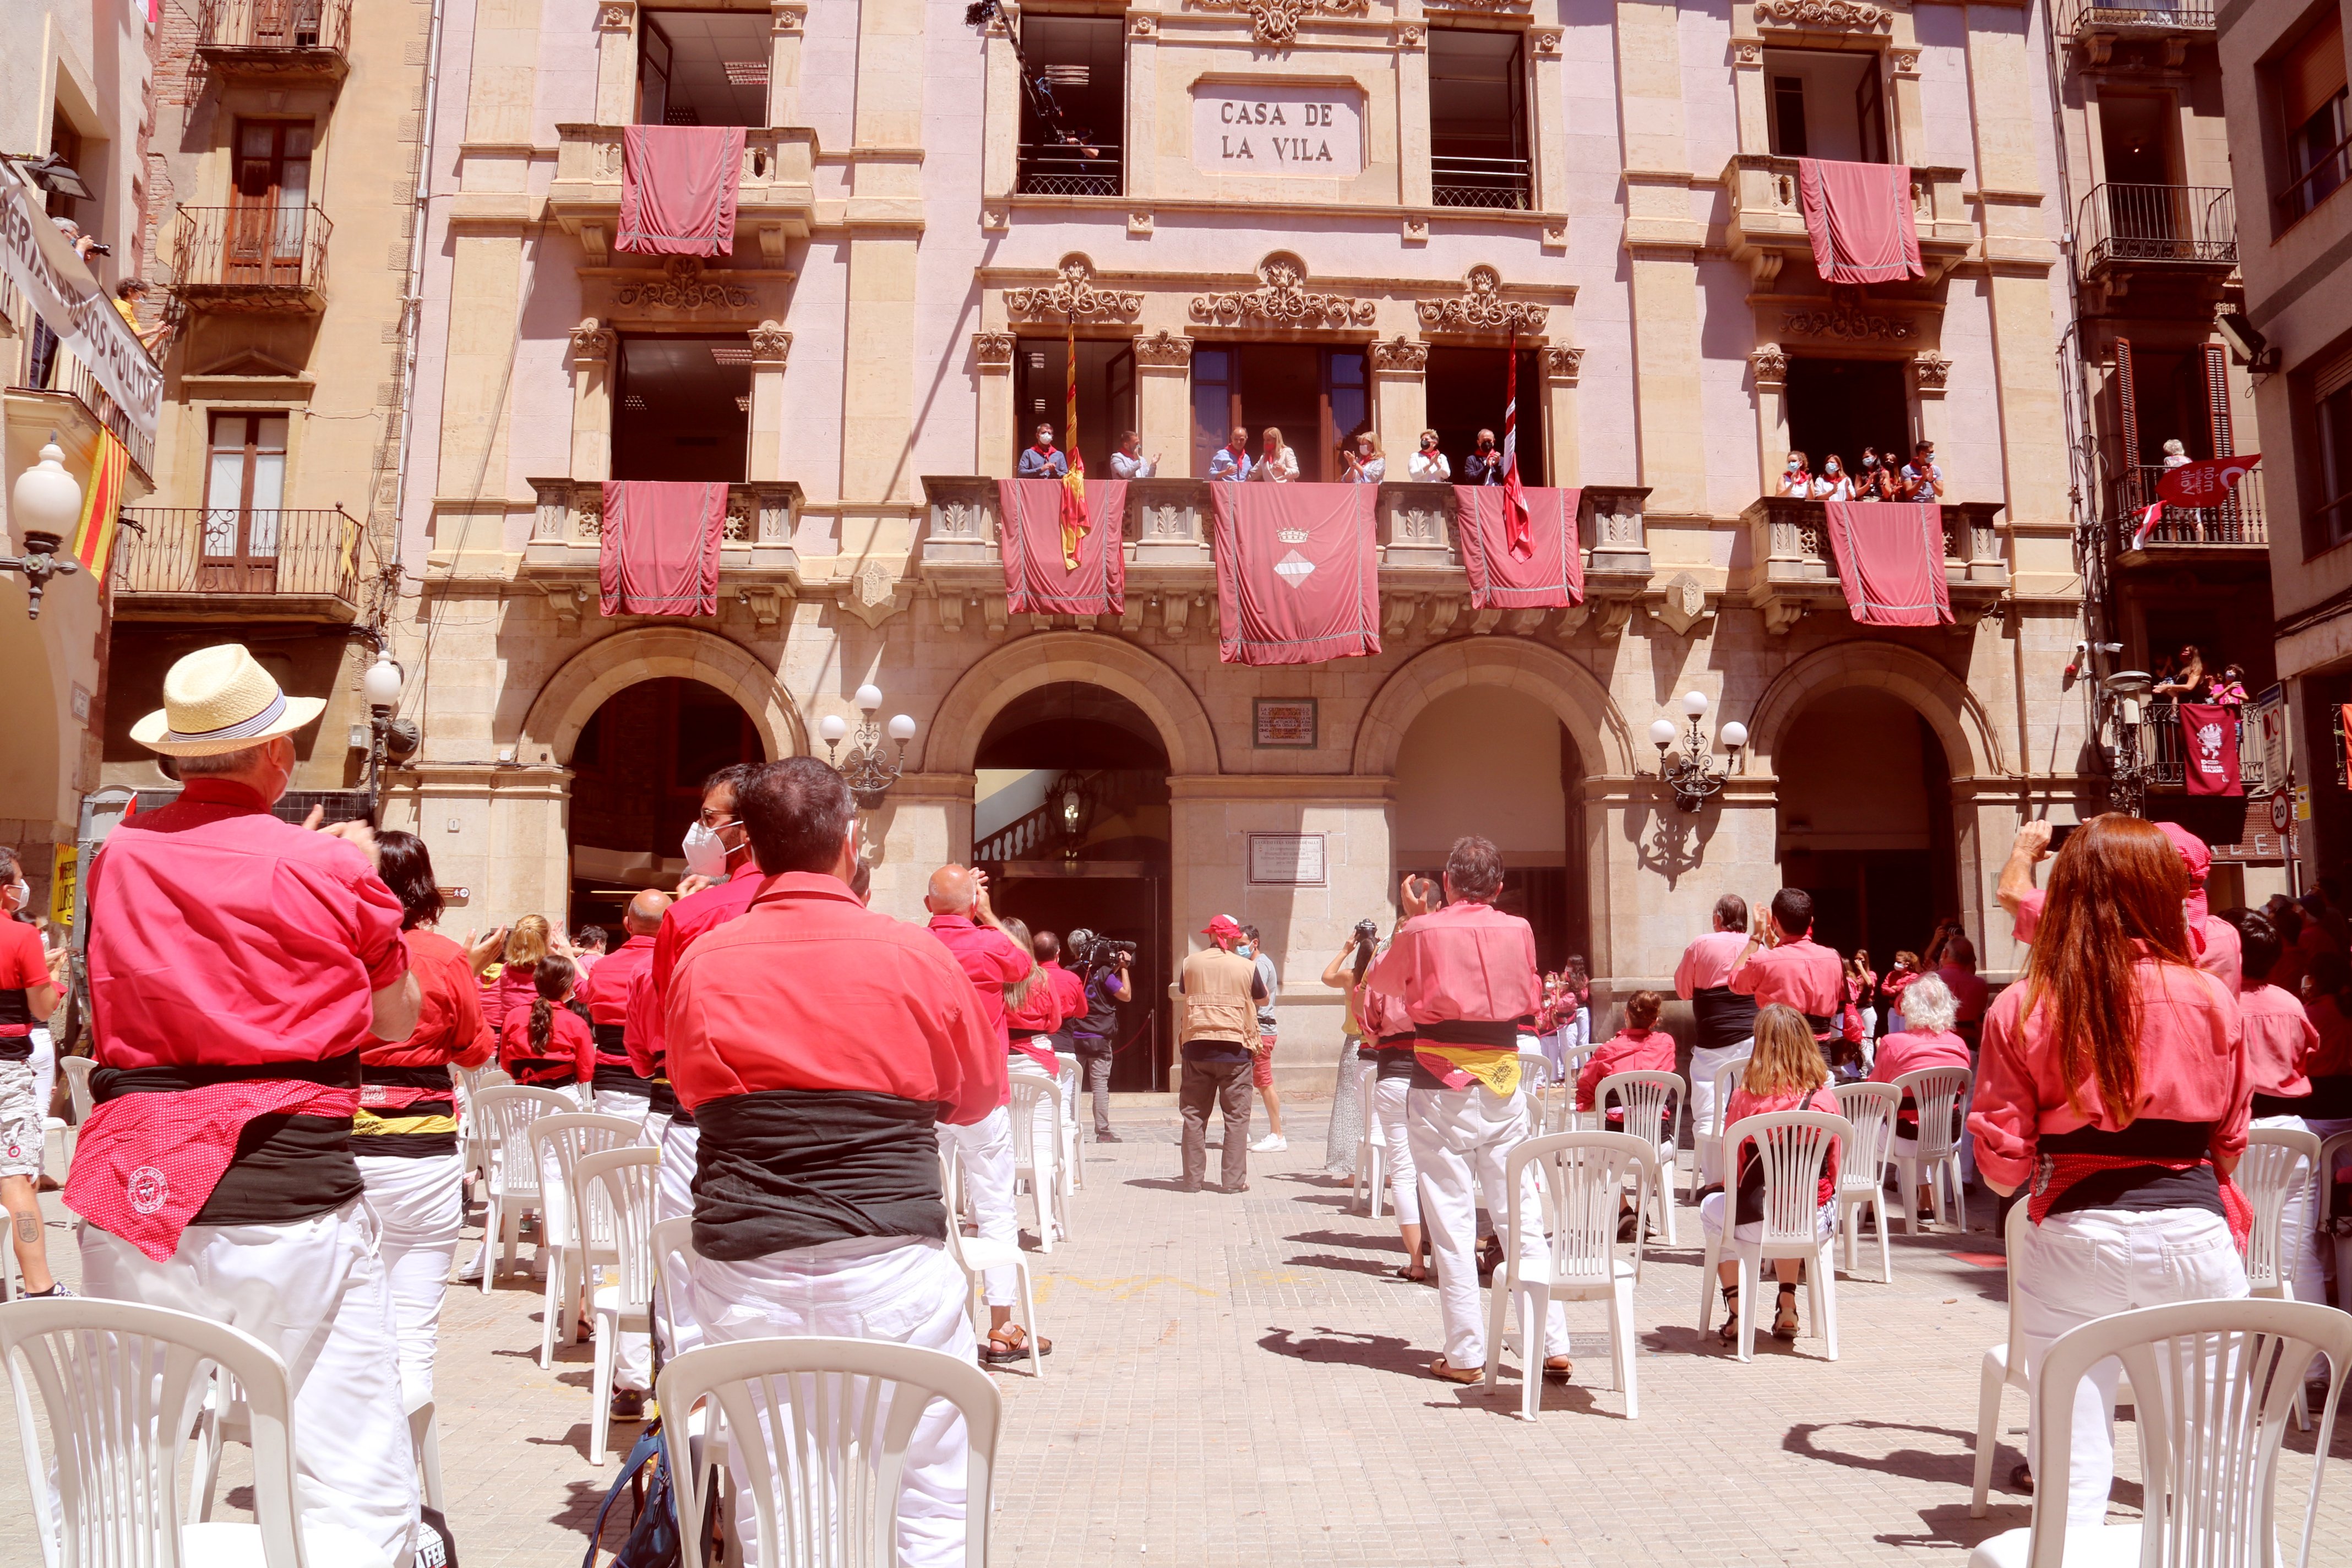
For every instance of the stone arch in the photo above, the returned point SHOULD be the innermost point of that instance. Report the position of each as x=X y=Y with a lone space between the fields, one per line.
x=1545 y=674
x=952 y=739
x=573 y=693
x=1971 y=744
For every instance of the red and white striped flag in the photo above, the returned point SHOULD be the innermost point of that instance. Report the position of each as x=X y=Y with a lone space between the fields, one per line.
x=1518 y=529
x=2149 y=518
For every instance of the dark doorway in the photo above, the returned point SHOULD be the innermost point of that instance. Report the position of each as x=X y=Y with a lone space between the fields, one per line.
x=682 y=408
x=1073 y=107
x=1318 y=399
x=1106 y=397
x=1478 y=120
x=1865 y=818
x=703 y=68
x=1841 y=406
x=1466 y=392
x=638 y=771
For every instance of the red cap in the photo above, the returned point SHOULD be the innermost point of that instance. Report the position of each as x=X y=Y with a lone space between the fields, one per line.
x=1224 y=927
x=2193 y=853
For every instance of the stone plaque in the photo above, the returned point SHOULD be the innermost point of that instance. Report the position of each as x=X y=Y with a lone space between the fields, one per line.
x=1286 y=859
x=1260 y=128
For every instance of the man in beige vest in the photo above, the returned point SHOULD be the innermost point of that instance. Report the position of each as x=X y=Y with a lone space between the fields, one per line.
x=1222 y=992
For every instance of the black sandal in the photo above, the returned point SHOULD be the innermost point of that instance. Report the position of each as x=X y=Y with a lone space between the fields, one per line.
x=1729 y=1332
x=1784 y=1316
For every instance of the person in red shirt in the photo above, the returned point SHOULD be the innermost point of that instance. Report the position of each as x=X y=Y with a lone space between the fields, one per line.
x=405 y=1136
x=238 y=965
x=514 y=986
x=1971 y=995
x=1069 y=989
x=1794 y=970
x=2281 y=1044
x=547 y=1044
x=2212 y=942
x=1463 y=976
x=1785 y=1072
x=28 y=994
x=2113 y=1079
x=1925 y=1040
x=820 y=1045
x=1640 y=1047
x=1725 y=1018
x=620 y=1088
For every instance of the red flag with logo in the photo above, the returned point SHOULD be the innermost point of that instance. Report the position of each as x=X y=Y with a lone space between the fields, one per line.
x=2205 y=483
x=2208 y=741
x=1298 y=575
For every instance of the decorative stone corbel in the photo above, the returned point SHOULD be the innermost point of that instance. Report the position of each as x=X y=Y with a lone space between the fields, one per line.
x=1681 y=604
x=1397 y=614
x=995 y=611
x=1131 y=615
x=595 y=244
x=1443 y=612
x=570 y=602
x=951 y=611
x=1174 y=610
x=770 y=606
x=1781 y=615
x=874 y=593
x=1485 y=621
x=1523 y=622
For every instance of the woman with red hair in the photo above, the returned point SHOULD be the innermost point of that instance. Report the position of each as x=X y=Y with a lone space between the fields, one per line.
x=2113 y=1081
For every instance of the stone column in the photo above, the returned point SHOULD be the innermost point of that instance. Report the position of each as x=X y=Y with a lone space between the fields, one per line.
x=1926 y=372
x=1770 y=367
x=1163 y=397
x=592 y=401
x=1413 y=118
x=1909 y=132
x=994 y=447
x=1747 y=84
x=616 y=62
x=1653 y=870
x=1400 y=399
x=923 y=824
x=1563 y=453
x=770 y=346
x=1000 y=147
x=787 y=27
x=1663 y=242
x=1141 y=136
x=1542 y=53
x=884 y=217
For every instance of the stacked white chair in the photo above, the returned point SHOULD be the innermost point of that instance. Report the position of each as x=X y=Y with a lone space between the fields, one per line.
x=2334 y=1205
x=821 y=1427
x=1862 y=1174
x=1650 y=1100
x=2215 y=1384
x=1582 y=1176
x=1035 y=1164
x=1795 y=1146
x=1707 y=1136
x=1371 y=1149
x=559 y=1141
x=979 y=1253
x=1938 y=1091
x=508 y=1111
x=616 y=1198
x=2004 y=1367
x=1069 y=1077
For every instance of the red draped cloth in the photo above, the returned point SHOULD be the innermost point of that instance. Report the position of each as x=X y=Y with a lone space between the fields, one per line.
x=1551 y=577
x=1297 y=578
x=1037 y=581
x=677 y=189
x=1890 y=561
x=2208 y=738
x=1859 y=216
x=659 y=552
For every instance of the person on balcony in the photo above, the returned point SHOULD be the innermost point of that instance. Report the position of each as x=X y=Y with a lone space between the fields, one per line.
x=1365 y=464
x=1042 y=461
x=1427 y=465
x=2230 y=688
x=1232 y=461
x=2186 y=676
x=1923 y=482
x=1797 y=477
x=1277 y=464
x=1485 y=466
x=1877 y=481
x=1832 y=483
x=2176 y=456
x=1130 y=463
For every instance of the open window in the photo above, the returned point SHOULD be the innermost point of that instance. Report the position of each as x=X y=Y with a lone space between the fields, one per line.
x=682 y=409
x=245 y=489
x=1825 y=104
x=703 y=68
x=1318 y=398
x=1073 y=105
x=1478 y=120
x=1468 y=388
x=1838 y=407
x=1106 y=397
x=2313 y=112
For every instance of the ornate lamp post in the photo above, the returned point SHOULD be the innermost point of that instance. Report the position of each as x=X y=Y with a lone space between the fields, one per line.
x=381 y=686
x=47 y=504
x=1691 y=774
x=868 y=773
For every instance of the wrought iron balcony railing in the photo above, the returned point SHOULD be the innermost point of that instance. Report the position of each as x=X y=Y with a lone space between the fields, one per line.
x=2164 y=749
x=257 y=257
x=193 y=550
x=2136 y=226
x=275 y=27
x=1056 y=169
x=2236 y=523
x=1508 y=183
x=2094 y=16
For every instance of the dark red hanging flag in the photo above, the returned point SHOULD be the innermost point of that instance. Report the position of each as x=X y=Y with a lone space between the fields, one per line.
x=1038 y=580
x=2207 y=482
x=1549 y=576
x=1890 y=561
x=2208 y=741
x=658 y=550
x=1297 y=577
x=1516 y=525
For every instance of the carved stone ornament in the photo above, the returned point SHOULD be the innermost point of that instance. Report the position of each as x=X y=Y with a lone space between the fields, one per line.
x=1408 y=35
x=592 y=342
x=682 y=287
x=1849 y=319
x=1282 y=299
x=618 y=18
x=1163 y=348
x=1276 y=21
x=1562 y=362
x=994 y=349
x=1480 y=307
x=1748 y=52
x=1546 y=43
x=789 y=18
x=1141 y=27
x=1075 y=298
x=872 y=594
x=1772 y=365
x=1481 y=5
x=1401 y=353
x=736 y=528
x=1906 y=62
x=771 y=342
x=1928 y=372
x=1824 y=16
x=1681 y=604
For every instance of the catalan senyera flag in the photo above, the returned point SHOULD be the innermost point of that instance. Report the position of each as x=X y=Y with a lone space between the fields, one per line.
x=1073 y=483
x=1517 y=528
x=102 y=507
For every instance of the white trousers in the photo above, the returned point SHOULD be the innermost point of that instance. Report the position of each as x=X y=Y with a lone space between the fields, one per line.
x=612 y=1103
x=1710 y=1220
x=2096 y=1262
x=1705 y=1064
x=984 y=1148
x=897 y=1288
x=314 y=1292
x=1460 y=1141
x=681 y=1146
x=1404 y=1178
x=2299 y=1227
x=417 y=1208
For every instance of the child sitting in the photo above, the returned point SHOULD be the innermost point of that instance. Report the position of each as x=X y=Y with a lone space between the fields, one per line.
x=1640 y=1047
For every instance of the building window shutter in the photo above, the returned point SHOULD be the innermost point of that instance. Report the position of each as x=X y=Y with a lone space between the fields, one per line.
x=2312 y=72
x=2217 y=400
x=2332 y=377
x=2128 y=407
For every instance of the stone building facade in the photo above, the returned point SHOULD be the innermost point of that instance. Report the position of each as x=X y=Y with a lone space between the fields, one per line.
x=1608 y=191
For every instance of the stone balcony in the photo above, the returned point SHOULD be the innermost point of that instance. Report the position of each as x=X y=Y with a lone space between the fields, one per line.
x=1767 y=227
x=776 y=197
x=758 y=566
x=1793 y=571
x=1171 y=567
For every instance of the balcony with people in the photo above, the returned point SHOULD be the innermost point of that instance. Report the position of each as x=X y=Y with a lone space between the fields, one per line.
x=275 y=41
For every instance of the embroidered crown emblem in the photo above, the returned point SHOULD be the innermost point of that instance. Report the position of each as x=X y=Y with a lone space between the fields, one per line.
x=1292 y=535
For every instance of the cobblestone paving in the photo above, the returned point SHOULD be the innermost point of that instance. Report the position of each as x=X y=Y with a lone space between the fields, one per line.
x=1237 y=1380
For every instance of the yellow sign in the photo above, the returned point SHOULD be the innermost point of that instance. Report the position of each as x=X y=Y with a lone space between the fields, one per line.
x=61 y=885
x=2302 y=803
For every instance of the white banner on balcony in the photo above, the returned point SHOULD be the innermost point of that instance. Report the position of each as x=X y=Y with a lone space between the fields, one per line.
x=37 y=258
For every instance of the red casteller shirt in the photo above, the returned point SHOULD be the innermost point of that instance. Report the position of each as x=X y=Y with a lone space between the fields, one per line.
x=683 y=921
x=811 y=990
x=2280 y=1042
x=606 y=988
x=568 y=1039
x=989 y=958
x=1069 y=990
x=1628 y=1050
x=2213 y=942
x=449 y=1023
x=1467 y=962
x=1707 y=962
x=1803 y=974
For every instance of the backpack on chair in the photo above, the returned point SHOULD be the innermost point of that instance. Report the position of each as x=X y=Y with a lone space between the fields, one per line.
x=653 y=1540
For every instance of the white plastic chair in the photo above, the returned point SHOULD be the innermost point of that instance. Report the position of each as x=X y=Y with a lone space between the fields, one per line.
x=1650 y=1100
x=76 y=1071
x=1706 y=1139
x=1583 y=1176
x=120 y=1383
x=2004 y=1367
x=821 y=1427
x=1371 y=1149
x=977 y=1255
x=2215 y=1382
x=2278 y=1160
x=1938 y=1091
x=1537 y=1081
x=560 y=1142
x=1035 y=1165
x=1068 y=1077
x=509 y=1109
x=616 y=1198
x=2332 y=1207
x=1862 y=1174
x=1793 y=1145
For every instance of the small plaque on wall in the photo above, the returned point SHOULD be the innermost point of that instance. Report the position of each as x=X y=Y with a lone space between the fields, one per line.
x=1286 y=859
x=1284 y=721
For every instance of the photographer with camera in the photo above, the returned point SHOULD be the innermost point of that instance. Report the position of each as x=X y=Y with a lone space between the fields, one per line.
x=1102 y=965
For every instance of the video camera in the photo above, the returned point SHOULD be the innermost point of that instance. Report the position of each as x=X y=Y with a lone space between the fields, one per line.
x=1092 y=951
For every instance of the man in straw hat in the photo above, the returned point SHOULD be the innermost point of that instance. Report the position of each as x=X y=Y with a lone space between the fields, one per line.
x=237 y=966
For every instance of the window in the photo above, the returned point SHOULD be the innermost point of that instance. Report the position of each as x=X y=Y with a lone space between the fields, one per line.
x=2331 y=521
x=1787 y=117
x=1318 y=398
x=1073 y=105
x=245 y=488
x=1836 y=407
x=1465 y=390
x=702 y=68
x=272 y=202
x=2311 y=84
x=1106 y=396
x=1478 y=120
x=683 y=409
x=1825 y=104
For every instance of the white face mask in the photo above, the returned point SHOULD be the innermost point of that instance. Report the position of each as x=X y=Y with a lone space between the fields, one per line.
x=1794 y=465
x=705 y=855
x=1833 y=470
x=20 y=893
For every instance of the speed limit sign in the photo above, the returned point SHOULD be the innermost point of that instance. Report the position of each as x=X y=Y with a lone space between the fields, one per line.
x=2282 y=811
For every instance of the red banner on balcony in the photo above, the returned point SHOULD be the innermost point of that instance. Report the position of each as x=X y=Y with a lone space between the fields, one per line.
x=658 y=550
x=1038 y=580
x=1551 y=577
x=2208 y=741
x=1297 y=577
x=677 y=189
x=2207 y=482
x=1858 y=217
x=1890 y=561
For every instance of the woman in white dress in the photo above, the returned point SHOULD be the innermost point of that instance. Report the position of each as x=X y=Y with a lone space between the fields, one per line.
x=1277 y=464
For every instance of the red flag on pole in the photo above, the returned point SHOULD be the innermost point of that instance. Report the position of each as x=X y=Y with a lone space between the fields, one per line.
x=1516 y=526
x=2208 y=732
x=1073 y=483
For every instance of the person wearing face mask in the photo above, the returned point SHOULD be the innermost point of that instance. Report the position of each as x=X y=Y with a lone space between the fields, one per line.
x=1797 y=478
x=28 y=994
x=1428 y=464
x=1276 y=463
x=1130 y=463
x=1876 y=480
x=1484 y=465
x=1832 y=483
x=1365 y=464
x=1042 y=461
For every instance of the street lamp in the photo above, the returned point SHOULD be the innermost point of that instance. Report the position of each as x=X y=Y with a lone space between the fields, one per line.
x=2129 y=769
x=868 y=773
x=380 y=687
x=47 y=504
x=1690 y=775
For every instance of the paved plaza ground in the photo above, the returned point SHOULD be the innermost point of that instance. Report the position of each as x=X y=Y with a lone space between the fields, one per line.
x=1238 y=1381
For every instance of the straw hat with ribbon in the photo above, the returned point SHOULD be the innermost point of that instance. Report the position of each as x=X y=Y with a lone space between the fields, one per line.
x=220 y=700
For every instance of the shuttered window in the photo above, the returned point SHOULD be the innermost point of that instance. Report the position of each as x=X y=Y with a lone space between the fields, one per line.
x=2312 y=103
x=2217 y=400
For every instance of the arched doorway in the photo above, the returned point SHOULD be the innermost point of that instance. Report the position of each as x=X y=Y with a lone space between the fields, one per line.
x=637 y=767
x=1865 y=821
x=1071 y=821
x=1496 y=761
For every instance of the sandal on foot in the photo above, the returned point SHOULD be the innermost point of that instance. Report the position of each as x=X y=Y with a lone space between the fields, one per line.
x=1729 y=1332
x=1011 y=1343
x=2021 y=1479
x=1559 y=1368
x=1444 y=1373
x=1490 y=1256
x=1784 y=1318
x=1407 y=1275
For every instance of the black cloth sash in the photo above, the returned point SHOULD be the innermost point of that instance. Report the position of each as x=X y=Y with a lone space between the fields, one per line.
x=612 y=1077
x=284 y=1168
x=789 y=1168
x=2139 y=1188
x=2273 y=1105
x=435 y=1081
x=17 y=1013
x=1392 y=1057
x=610 y=1043
x=1494 y=1034
x=1724 y=1017
x=543 y=1072
x=1822 y=1025
x=419 y=1075
x=661 y=1100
